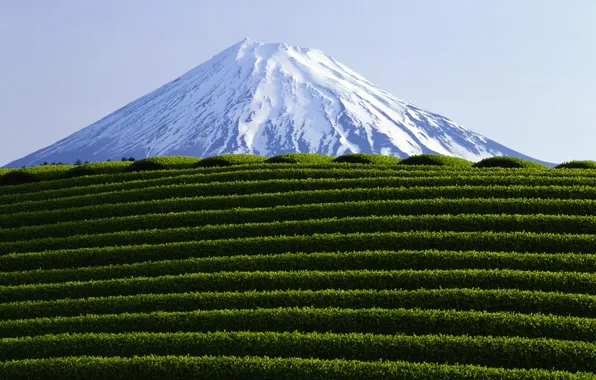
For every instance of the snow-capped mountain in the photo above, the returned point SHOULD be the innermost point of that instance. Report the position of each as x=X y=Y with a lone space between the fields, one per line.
x=268 y=99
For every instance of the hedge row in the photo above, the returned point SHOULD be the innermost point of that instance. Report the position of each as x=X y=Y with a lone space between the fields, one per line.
x=61 y=181
x=122 y=178
x=257 y=368
x=582 y=228
x=300 y=158
x=283 y=185
x=97 y=168
x=508 y=162
x=309 y=319
x=583 y=201
x=230 y=176
x=367 y=158
x=492 y=300
x=425 y=161
x=231 y=159
x=45 y=171
x=436 y=160
x=227 y=176
x=202 y=184
x=164 y=162
x=563 y=210
x=54 y=172
x=577 y=164
x=327 y=261
x=224 y=175
x=448 y=241
x=500 y=352
x=18 y=177
x=115 y=179
x=567 y=282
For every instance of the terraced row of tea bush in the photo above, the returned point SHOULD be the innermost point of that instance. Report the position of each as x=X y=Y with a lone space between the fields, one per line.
x=241 y=266
x=100 y=184
x=16 y=176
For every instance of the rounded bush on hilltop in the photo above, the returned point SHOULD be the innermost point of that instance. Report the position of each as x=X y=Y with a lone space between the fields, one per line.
x=164 y=162
x=368 y=158
x=17 y=177
x=300 y=158
x=48 y=172
x=507 y=162
x=577 y=164
x=436 y=160
x=92 y=168
x=231 y=159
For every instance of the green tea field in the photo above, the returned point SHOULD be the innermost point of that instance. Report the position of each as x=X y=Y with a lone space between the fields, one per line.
x=298 y=267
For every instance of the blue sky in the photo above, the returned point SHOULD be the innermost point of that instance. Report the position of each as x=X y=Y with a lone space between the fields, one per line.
x=522 y=72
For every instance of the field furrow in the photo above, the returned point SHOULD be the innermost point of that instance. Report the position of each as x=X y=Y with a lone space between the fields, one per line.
x=328 y=261
x=491 y=300
x=450 y=241
x=581 y=201
x=565 y=282
x=284 y=185
x=475 y=206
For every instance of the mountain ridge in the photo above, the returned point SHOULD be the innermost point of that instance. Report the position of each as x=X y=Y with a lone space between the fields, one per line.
x=269 y=99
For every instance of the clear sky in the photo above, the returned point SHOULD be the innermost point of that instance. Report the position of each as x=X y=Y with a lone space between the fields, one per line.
x=522 y=72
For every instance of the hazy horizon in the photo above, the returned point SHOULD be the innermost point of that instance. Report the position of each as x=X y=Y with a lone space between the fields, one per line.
x=520 y=74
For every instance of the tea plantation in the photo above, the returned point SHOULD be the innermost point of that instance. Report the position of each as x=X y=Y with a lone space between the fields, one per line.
x=298 y=266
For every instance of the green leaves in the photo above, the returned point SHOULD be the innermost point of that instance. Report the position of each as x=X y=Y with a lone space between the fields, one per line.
x=436 y=160
x=238 y=215
x=257 y=368
x=508 y=162
x=420 y=200
x=566 y=282
x=369 y=159
x=418 y=240
x=163 y=162
x=300 y=158
x=231 y=159
x=373 y=260
x=513 y=300
x=581 y=226
x=338 y=320
x=504 y=352
x=577 y=164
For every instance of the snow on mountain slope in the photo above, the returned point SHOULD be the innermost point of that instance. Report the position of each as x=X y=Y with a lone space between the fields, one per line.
x=268 y=99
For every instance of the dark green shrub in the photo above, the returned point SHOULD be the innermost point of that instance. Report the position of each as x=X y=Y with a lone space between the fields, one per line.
x=17 y=177
x=48 y=172
x=300 y=158
x=231 y=159
x=93 y=168
x=367 y=158
x=164 y=162
x=577 y=164
x=436 y=160
x=507 y=162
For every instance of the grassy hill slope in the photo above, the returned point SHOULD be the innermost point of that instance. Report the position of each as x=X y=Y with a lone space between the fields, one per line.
x=297 y=267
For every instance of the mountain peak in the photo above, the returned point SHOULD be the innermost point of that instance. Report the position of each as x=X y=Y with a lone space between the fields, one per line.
x=247 y=41
x=268 y=99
